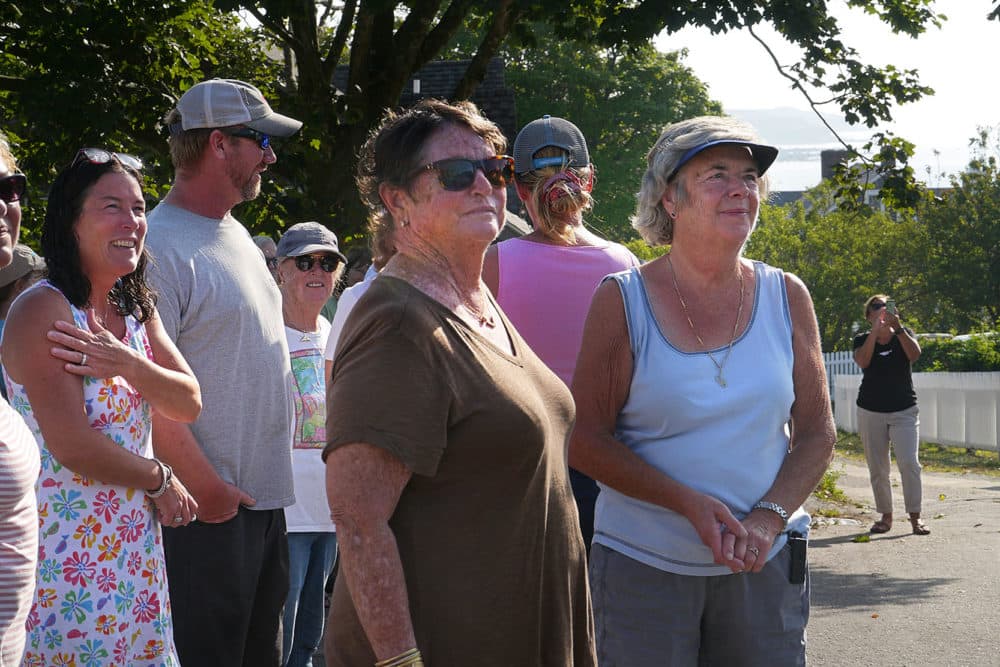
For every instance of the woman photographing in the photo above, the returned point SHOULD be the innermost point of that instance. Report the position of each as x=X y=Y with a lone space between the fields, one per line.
x=887 y=410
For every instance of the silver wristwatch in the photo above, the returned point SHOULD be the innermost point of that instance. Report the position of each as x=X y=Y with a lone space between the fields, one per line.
x=773 y=507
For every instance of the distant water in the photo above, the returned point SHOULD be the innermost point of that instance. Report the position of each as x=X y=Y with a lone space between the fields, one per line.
x=798 y=166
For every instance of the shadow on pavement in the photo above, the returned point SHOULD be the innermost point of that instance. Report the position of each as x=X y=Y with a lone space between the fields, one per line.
x=864 y=591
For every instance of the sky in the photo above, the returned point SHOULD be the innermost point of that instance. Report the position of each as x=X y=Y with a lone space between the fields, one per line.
x=957 y=61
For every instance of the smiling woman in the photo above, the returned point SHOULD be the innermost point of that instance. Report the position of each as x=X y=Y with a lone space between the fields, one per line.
x=87 y=337
x=696 y=558
x=309 y=265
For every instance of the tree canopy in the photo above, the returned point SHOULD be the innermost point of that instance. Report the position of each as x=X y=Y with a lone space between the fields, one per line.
x=103 y=71
x=619 y=98
x=940 y=260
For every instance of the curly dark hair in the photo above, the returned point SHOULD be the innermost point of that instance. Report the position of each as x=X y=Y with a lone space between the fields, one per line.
x=130 y=294
x=394 y=148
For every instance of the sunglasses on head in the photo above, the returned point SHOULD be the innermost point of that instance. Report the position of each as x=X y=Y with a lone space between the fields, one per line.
x=326 y=262
x=459 y=173
x=101 y=156
x=263 y=140
x=12 y=187
x=876 y=306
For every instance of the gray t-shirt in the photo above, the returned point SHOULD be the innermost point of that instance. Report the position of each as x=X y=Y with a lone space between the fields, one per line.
x=221 y=307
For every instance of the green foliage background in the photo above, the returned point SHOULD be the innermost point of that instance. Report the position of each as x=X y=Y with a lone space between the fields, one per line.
x=621 y=99
x=980 y=353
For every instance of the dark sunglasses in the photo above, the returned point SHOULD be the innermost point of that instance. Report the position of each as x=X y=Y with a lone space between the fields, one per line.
x=101 y=156
x=457 y=174
x=12 y=187
x=263 y=140
x=272 y=262
x=876 y=306
x=326 y=262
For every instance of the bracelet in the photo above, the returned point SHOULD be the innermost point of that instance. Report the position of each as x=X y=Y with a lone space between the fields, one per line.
x=411 y=658
x=773 y=507
x=168 y=474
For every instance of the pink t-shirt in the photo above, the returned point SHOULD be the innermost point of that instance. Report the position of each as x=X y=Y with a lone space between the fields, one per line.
x=546 y=292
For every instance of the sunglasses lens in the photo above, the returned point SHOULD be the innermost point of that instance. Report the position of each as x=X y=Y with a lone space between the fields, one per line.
x=12 y=188
x=456 y=174
x=498 y=171
x=129 y=161
x=306 y=262
x=878 y=306
x=101 y=156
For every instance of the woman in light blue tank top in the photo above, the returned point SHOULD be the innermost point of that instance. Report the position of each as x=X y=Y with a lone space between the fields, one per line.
x=705 y=419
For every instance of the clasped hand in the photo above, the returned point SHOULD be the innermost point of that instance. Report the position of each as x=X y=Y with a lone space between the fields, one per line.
x=742 y=546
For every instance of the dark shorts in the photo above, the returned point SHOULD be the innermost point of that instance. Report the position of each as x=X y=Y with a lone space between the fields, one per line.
x=645 y=617
x=228 y=584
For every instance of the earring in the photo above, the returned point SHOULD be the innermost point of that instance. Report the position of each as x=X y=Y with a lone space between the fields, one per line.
x=673 y=215
x=404 y=223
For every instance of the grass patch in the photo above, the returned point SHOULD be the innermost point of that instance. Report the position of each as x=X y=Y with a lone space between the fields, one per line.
x=934 y=457
x=828 y=490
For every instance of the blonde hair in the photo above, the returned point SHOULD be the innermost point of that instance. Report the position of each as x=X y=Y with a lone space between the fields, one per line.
x=556 y=202
x=5 y=153
x=186 y=146
x=879 y=297
x=651 y=220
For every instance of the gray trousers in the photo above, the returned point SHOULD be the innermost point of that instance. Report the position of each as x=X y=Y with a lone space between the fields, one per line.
x=645 y=617
x=902 y=430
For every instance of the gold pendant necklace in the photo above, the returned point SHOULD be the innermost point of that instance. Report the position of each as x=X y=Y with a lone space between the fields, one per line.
x=485 y=320
x=739 y=313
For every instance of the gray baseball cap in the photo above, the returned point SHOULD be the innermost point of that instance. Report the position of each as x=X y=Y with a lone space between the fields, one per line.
x=226 y=102
x=24 y=262
x=306 y=238
x=549 y=131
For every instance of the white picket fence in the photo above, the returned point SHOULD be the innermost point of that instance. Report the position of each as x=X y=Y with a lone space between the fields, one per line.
x=959 y=409
x=839 y=363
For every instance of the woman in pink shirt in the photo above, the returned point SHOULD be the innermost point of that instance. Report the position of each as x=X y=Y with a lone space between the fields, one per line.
x=544 y=281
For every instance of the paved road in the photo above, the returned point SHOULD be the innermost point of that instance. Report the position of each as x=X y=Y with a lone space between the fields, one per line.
x=904 y=599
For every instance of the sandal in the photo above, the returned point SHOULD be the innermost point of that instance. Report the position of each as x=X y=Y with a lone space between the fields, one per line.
x=919 y=527
x=881 y=526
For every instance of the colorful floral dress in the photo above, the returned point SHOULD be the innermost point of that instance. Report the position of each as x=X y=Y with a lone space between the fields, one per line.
x=101 y=591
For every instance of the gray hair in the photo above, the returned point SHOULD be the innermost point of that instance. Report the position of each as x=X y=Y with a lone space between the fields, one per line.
x=651 y=220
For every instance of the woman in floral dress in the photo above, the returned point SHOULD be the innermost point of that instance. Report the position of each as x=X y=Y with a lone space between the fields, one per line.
x=80 y=349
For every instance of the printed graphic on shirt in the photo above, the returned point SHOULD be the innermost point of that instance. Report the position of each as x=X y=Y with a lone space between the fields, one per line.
x=310 y=414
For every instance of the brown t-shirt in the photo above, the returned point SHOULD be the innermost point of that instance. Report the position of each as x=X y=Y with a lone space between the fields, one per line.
x=487 y=529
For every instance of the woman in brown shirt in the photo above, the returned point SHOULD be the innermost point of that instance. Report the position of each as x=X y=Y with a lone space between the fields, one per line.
x=446 y=454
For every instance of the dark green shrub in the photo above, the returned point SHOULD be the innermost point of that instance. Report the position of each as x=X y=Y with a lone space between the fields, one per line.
x=975 y=353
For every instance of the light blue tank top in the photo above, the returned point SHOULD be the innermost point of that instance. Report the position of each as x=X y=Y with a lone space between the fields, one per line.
x=728 y=442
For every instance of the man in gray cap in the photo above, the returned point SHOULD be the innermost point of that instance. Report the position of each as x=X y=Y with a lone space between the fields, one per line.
x=227 y=571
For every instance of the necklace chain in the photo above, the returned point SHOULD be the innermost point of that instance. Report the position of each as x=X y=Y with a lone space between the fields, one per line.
x=739 y=314
x=485 y=320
